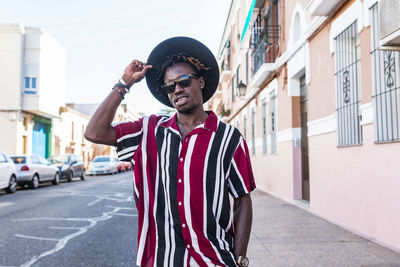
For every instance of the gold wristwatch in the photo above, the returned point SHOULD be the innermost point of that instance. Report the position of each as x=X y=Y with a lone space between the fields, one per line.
x=242 y=261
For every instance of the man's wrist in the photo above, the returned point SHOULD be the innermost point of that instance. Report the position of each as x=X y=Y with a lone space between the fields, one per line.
x=126 y=80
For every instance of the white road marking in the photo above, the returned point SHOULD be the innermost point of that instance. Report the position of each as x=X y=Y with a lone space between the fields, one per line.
x=5 y=204
x=36 y=237
x=122 y=208
x=63 y=241
x=95 y=201
x=67 y=228
x=124 y=214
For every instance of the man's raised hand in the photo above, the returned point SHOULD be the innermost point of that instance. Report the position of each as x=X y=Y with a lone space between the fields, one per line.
x=135 y=72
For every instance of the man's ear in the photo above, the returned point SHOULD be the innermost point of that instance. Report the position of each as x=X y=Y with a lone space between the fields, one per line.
x=202 y=82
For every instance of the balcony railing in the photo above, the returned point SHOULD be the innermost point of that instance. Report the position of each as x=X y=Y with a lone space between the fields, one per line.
x=265 y=47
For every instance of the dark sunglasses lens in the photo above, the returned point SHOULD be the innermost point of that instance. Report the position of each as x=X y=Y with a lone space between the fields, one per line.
x=184 y=81
x=169 y=88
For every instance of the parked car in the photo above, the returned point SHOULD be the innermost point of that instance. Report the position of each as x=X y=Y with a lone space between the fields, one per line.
x=123 y=165
x=103 y=165
x=128 y=165
x=8 y=177
x=34 y=169
x=69 y=165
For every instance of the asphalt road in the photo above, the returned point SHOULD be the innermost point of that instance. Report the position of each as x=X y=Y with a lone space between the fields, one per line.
x=82 y=223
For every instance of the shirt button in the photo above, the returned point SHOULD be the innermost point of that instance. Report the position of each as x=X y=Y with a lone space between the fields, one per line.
x=183 y=225
x=180 y=180
x=181 y=159
x=188 y=246
x=180 y=203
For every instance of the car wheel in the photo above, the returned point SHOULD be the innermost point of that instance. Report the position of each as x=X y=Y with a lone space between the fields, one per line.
x=35 y=181
x=12 y=185
x=69 y=176
x=56 y=180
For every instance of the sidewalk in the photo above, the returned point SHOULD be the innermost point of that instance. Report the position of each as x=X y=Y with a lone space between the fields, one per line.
x=285 y=235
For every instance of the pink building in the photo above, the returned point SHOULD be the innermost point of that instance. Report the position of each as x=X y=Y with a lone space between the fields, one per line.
x=321 y=105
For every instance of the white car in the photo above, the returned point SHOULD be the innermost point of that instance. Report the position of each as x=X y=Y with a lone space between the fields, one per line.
x=103 y=165
x=34 y=169
x=8 y=178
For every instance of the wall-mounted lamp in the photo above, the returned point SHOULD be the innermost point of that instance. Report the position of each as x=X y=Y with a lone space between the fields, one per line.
x=241 y=88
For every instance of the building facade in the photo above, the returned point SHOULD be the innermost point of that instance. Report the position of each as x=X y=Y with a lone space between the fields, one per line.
x=321 y=105
x=32 y=86
x=33 y=115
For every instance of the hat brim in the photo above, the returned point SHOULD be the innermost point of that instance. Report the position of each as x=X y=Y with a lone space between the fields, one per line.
x=190 y=47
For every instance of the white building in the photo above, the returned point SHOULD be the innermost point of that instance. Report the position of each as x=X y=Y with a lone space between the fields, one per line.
x=32 y=88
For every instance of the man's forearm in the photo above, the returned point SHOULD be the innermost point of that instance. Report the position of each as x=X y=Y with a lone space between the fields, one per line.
x=243 y=216
x=99 y=129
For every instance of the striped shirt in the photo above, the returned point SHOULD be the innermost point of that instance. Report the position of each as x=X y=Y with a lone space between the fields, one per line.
x=182 y=187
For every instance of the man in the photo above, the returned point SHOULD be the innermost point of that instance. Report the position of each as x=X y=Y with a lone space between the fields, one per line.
x=185 y=166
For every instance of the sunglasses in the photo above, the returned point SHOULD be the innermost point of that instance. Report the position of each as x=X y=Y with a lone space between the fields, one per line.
x=183 y=81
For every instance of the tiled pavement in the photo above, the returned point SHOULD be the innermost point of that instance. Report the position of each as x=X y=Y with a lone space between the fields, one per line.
x=286 y=235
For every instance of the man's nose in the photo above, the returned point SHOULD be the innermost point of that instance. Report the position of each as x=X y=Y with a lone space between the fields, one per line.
x=178 y=89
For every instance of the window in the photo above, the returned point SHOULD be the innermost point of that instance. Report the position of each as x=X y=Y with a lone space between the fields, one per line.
x=27 y=82
x=253 y=131
x=272 y=116
x=264 y=125
x=30 y=86
x=244 y=126
x=247 y=67
x=386 y=84
x=83 y=134
x=233 y=88
x=72 y=130
x=348 y=86
x=237 y=75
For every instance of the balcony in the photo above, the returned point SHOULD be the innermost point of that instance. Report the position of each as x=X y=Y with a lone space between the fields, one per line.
x=323 y=7
x=225 y=70
x=265 y=51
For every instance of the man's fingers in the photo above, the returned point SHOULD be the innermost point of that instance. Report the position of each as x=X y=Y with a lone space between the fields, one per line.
x=146 y=68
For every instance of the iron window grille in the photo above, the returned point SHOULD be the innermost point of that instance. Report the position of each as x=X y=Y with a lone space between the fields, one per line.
x=348 y=84
x=253 y=131
x=233 y=88
x=272 y=116
x=386 y=84
x=264 y=126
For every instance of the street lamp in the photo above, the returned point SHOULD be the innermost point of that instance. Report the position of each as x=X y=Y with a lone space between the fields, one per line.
x=241 y=88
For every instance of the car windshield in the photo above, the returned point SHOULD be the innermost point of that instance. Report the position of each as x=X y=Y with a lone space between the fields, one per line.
x=102 y=159
x=59 y=159
x=19 y=160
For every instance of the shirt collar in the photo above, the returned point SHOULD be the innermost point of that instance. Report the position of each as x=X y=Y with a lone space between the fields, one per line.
x=210 y=124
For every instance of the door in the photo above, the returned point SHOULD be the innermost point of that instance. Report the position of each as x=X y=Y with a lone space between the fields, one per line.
x=305 y=175
x=39 y=136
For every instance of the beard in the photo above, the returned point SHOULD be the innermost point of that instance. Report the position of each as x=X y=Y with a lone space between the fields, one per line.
x=186 y=110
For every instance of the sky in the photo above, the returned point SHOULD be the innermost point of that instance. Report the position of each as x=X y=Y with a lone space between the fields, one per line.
x=101 y=37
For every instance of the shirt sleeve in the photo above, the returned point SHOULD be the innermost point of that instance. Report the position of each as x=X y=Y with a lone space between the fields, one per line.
x=241 y=179
x=129 y=136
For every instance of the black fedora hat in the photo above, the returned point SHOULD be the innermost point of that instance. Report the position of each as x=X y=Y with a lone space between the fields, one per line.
x=190 y=47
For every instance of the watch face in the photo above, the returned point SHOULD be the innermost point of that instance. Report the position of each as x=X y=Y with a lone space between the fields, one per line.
x=243 y=262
